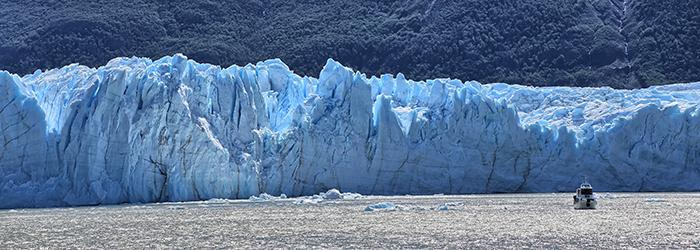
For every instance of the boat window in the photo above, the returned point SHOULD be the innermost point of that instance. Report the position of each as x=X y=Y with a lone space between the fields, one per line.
x=586 y=191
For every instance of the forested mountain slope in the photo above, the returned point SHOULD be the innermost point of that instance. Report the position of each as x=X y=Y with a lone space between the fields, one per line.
x=620 y=43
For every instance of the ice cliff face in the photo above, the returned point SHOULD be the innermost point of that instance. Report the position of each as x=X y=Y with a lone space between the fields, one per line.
x=137 y=130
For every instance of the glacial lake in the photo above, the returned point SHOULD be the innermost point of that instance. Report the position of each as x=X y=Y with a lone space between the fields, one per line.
x=622 y=220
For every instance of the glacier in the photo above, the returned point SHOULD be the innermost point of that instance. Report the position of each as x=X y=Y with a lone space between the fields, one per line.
x=138 y=130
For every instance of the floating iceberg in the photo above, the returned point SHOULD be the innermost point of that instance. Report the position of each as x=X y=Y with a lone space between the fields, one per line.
x=266 y=197
x=384 y=206
x=330 y=195
x=138 y=130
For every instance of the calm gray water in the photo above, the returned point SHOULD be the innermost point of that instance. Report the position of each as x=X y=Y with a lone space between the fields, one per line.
x=623 y=220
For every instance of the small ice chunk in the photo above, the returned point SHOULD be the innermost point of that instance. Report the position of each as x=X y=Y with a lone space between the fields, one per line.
x=383 y=206
x=306 y=201
x=217 y=200
x=266 y=197
x=449 y=205
x=654 y=199
x=351 y=196
x=608 y=196
x=332 y=194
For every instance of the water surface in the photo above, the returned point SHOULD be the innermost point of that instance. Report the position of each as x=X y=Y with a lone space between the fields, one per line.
x=623 y=220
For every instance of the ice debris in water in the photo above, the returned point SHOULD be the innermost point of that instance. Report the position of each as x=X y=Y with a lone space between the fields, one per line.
x=383 y=206
x=218 y=200
x=654 y=199
x=607 y=196
x=449 y=206
x=266 y=197
x=332 y=194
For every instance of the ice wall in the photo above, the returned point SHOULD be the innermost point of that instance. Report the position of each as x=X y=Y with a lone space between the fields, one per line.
x=138 y=130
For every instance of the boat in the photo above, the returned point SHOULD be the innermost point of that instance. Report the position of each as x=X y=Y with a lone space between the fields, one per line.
x=585 y=198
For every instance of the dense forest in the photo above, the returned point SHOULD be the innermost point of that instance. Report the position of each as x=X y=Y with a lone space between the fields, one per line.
x=619 y=43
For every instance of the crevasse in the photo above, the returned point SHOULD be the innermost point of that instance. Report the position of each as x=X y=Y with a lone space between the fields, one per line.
x=138 y=130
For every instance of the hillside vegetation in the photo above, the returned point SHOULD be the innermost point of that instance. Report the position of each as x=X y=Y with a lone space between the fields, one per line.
x=619 y=43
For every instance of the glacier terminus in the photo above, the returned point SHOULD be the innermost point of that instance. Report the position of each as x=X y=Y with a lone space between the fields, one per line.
x=137 y=130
